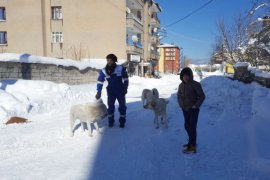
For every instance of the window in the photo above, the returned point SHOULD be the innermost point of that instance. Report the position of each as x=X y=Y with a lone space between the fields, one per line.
x=2 y=13
x=57 y=12
x=139 y=38
x=169 y=58
x=57 y=37
x=139 y=15
x=170 y=49
x=3 y=37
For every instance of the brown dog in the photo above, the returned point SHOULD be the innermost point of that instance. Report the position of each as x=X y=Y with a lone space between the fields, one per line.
x=15 y=119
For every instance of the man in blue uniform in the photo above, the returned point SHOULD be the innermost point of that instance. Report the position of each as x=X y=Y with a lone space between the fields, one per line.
x=117 y=78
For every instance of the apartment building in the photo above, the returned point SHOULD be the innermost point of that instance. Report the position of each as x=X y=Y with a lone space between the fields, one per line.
x=63 y=28
x=143 y=26
x=81 y=29
x=169 y=61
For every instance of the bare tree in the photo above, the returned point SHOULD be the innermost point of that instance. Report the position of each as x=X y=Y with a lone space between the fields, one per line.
x=227 y=40
x=77 y=52
x=186 y=61
x=258 y=48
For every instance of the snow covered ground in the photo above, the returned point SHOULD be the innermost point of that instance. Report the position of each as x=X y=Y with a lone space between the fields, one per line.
x=233 y=134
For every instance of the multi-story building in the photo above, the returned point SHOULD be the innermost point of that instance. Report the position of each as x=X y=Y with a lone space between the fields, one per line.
x=79 y=29
x=64 y=28
x=169 y=61
x=142 y=35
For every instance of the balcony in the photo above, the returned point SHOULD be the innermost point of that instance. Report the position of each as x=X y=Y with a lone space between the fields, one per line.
x=154 y=39
x=134 y=23
x=154 y=55
x=134 y=48
x=155 y=22
x=131 y=49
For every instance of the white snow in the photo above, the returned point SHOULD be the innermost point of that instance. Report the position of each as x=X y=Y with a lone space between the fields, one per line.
x=83 y=64
x=252 y=41
x=167 y=45
x=233 y=134
x=241 y=64
x=259 y=73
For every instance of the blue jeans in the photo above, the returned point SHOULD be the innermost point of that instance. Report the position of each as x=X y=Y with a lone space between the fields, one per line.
x=191 y=119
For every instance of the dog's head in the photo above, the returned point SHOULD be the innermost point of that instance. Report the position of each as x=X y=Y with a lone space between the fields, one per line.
x=100 y=109
x=149 y=97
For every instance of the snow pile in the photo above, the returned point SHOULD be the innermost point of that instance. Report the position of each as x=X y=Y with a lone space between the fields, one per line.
x=12 y=104
x=241 y=64
x=83 y=64
x=233 y=134
x=259 y=73
x=21 y=97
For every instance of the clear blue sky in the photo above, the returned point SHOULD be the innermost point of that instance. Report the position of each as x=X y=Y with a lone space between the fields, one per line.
x=197 y=33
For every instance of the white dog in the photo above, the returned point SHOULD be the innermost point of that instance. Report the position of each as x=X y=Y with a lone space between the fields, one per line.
x=89 y=112
x=151 y=100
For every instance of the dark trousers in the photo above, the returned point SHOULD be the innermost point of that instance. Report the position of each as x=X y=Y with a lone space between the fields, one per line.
x=191 y=119
x=122 y=107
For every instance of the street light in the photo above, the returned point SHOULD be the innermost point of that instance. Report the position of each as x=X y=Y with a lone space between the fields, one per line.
x=181 y=58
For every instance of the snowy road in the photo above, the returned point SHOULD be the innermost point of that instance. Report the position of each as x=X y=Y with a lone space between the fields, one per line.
x=232 y=138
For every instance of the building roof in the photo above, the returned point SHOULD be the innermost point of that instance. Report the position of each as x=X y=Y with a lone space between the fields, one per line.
x=167 y=45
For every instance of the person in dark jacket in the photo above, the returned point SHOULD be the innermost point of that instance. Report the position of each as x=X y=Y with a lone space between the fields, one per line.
x=190 y=97
x=117 y=78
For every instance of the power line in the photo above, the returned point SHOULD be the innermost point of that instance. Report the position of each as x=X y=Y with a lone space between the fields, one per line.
x=193 y=12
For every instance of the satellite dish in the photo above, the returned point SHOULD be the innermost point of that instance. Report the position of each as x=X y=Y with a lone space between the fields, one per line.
x=135 y=38
x=128 y=10
x=155 y=30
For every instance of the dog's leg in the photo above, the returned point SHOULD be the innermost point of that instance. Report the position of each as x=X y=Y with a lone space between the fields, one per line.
x=156 y=121
x=71 y=122
x=89 y=128
x=82 y=126
x=165 y=120
x=162 y=120
x=96 y=127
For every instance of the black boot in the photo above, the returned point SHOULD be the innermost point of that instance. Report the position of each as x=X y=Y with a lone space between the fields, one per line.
x=111 y=121
x=122 y=121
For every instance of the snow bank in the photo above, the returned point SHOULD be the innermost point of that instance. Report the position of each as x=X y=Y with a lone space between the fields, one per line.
x=12 y=104
x=241 y=64
x=259 y=73
x=21 y=97
x=28 y=58
x=233 y=135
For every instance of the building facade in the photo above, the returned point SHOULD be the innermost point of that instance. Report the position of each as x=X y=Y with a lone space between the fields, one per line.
x=64 y=28
x=143 y=25
x=169 y=61
x=80 y=29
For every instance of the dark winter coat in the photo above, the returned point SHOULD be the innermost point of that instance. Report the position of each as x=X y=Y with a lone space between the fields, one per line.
x=191 y=93
x=117 y=78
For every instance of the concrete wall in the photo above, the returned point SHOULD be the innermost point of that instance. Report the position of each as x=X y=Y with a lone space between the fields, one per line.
x=50 y=72
x=242 y=73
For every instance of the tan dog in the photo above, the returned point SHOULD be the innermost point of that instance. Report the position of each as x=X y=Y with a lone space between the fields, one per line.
x=15 y=119
x=151 y=100
x=89 y=113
